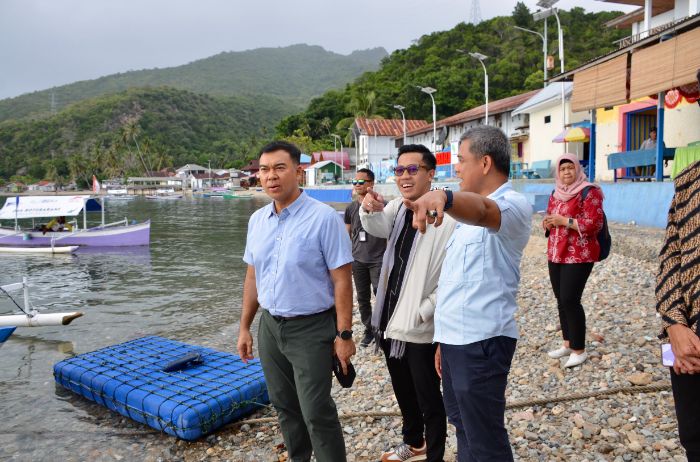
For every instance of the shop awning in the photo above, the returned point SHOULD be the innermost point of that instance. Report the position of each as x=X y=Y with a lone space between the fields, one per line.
x=668 y=65
x=46 y=206
x=573 y=135
x=600 y=86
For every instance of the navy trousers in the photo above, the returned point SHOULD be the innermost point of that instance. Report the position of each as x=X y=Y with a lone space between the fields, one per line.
x=474 y=379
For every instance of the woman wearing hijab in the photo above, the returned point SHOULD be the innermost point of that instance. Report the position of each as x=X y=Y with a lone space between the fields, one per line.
x=574 y=218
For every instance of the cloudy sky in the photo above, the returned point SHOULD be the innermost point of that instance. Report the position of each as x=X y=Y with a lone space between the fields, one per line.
x=44 y=43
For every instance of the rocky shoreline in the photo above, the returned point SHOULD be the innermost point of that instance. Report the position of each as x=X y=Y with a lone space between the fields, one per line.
x=619 y=301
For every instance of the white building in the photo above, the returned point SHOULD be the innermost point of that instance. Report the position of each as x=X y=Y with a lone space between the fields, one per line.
x=450 y=129
x=190 y=169
x=376 y=140
x=547 y=122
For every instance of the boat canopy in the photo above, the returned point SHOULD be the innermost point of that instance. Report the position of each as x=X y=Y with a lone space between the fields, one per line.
x=19 y=207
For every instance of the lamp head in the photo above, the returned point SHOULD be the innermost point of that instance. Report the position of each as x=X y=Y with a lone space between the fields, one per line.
x=428 y=90
x=544 y=14
x=477 y=55
x=546 y=3
x=399 y=107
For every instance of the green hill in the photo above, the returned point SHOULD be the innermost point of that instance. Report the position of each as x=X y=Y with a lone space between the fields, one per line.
x=293 y=74
x=514 y=65
x=137 y=130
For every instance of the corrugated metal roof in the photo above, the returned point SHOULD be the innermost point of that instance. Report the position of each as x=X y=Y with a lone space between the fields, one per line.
x=387 y=127
x=322 y=164
x=549 y=94
x=495 y=107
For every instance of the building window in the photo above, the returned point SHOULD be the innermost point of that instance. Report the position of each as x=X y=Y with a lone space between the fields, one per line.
x=547 y=119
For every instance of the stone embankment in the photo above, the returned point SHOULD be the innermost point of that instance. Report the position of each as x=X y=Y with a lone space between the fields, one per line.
x=624 y=352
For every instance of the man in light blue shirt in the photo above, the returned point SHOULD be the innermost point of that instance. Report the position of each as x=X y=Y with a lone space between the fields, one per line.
x=474 y=317
x=299 y=271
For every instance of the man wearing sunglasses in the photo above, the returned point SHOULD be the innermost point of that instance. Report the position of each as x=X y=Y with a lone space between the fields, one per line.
x=402 y=318
x=474 y=318
x=367 y=252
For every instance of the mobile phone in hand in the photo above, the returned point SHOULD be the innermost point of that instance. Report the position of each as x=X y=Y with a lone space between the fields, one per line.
x=667 y=358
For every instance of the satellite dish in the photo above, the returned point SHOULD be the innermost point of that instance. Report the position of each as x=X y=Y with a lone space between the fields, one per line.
x=441 y=136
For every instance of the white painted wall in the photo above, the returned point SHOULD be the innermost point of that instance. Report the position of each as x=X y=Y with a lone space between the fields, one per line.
x=375 y=149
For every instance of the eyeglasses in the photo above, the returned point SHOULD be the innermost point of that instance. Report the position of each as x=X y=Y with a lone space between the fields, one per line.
x=360 y=182
x=411 y=169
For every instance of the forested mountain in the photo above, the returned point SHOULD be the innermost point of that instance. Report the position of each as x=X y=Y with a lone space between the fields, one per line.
x=137 y=130
x=293 y=74
x=514 y=65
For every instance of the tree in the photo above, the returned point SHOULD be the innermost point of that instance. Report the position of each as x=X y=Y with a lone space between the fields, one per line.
x=522 y=16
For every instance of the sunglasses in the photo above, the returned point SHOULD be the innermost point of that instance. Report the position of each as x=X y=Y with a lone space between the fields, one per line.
x=360 y=182
x=411 y=169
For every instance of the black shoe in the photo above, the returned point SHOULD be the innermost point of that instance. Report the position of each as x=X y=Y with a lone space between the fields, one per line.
x=367 y=339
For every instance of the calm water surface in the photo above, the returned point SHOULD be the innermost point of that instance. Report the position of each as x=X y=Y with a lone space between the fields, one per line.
x=187 y=286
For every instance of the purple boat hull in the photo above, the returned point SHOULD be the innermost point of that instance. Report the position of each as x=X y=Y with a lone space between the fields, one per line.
x=117 y=236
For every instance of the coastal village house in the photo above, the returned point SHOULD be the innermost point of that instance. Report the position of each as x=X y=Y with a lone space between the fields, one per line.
x=154 y=181
x=15 y=187
x=649 y=81
x=323 y=172
x=43 y=186
x=450 y=129
x=190 y=169
x=549 y=121
x=375 y=141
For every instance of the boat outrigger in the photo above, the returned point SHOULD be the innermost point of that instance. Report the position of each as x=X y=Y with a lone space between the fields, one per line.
x=30 y=317
x=117 y=234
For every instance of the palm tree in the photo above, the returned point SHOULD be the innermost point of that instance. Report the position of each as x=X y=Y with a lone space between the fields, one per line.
x=362 y=105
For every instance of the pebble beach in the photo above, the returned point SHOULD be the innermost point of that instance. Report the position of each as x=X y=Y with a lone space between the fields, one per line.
x=624 y=353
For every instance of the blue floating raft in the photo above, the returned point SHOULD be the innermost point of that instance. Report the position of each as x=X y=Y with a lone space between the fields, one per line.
x=200 y=397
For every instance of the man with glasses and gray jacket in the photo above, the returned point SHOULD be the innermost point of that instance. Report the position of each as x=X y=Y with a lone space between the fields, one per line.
x=402 y=319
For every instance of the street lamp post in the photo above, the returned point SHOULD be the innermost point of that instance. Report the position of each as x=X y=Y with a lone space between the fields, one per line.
x=544 y=48
x=340 y=140
x=429 y=91
x=403 y=119
x=481 y=59
x=550 y=11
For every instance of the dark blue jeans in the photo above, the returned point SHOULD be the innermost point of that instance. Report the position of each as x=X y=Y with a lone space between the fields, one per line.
x=474 y=379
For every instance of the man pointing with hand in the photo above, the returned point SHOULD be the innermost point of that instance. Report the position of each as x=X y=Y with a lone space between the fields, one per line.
x=474 y=316
x=402 y=318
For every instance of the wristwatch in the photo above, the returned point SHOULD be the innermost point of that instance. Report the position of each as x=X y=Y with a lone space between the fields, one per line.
x=448 y=202
x=570 y=223
x=345 y=335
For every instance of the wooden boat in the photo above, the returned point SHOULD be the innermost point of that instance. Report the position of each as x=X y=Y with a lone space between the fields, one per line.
x=118 y=234
x=41 y=249
x=238 y=196
x=163 y=197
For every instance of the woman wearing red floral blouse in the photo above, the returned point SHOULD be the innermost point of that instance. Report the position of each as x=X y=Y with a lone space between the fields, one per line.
x=574 y=218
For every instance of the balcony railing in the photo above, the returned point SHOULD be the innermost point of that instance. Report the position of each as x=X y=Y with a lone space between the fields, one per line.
x=627 y=41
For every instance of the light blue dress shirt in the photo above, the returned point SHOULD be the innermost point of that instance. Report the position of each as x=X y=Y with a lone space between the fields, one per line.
x=480 y=275
x=292 y=253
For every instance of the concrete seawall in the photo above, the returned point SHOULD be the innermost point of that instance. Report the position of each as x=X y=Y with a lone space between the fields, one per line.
x=645 y=204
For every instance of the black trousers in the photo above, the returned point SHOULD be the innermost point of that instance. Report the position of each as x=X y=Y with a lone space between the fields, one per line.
x=687 y=401
x=474 y=379
x=568 y=281
x=417 y=389
x=365 y=274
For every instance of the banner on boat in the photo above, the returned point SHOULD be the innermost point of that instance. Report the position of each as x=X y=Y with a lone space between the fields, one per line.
x=42 y=207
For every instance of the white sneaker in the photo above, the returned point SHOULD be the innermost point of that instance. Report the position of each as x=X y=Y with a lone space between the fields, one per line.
x=559 y=352
x=576 y=359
